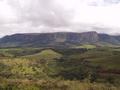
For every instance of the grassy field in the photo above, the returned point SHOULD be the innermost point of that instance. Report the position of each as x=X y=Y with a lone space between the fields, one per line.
x=84 y=68
x=87 y=46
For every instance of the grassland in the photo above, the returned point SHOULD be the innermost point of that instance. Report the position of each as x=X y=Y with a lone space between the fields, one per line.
x=87 y=46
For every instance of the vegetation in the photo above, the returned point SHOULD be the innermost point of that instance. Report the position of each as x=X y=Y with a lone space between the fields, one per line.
x=60 y=69
x=87 y=46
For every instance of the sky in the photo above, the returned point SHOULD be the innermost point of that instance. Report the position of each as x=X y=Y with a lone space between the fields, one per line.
x=40 y=16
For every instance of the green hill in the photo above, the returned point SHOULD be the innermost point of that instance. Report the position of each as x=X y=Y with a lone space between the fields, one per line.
x=48 y=54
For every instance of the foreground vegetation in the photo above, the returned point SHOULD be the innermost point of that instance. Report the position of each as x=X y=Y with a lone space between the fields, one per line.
x=54 y=85
x=80 y=68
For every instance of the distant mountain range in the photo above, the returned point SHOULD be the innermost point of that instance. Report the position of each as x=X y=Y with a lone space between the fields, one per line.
x=58 y=39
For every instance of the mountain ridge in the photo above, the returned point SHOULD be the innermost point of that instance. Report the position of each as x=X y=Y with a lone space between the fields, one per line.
x=58 y=39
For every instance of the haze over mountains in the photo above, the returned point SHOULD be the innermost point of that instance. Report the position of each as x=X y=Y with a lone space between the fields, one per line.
x=58 y=39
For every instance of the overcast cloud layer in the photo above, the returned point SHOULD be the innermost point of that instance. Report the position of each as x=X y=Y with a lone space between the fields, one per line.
x=31 y=16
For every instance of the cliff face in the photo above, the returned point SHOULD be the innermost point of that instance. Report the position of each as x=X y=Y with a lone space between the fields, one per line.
x=46 y=39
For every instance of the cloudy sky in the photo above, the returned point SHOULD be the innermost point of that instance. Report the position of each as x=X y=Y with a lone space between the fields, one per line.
x=31 y=16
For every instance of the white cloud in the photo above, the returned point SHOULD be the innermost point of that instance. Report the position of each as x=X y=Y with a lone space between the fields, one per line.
x=7 y=14
x=104 y=15
x=104 y=12
x=17 y=16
